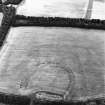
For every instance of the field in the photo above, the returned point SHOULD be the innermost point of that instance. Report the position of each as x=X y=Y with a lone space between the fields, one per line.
x=98 y=9
x=66 y=61
x=61 y=8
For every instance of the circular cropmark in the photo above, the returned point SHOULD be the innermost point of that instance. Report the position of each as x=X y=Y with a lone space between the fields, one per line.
x=52 y=78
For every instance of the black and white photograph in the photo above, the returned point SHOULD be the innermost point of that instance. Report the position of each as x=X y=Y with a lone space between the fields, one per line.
x=52 y=52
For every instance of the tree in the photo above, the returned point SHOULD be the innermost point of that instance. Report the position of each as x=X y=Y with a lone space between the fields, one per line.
x=0 y=1
x=15 y=2
x=0 y=5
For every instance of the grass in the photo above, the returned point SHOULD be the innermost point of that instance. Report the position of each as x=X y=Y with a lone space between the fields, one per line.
x=82 y=51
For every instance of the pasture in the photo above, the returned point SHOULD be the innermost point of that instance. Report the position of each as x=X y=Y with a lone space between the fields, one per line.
x=67 y=61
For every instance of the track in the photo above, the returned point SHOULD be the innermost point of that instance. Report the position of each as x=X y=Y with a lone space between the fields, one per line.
x=89 y=9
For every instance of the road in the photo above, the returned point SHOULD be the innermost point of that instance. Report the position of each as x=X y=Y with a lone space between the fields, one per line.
x=39 y=58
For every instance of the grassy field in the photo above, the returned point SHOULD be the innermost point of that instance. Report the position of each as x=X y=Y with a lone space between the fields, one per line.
x=61 y=60
x=61 y=8
x=98 y=9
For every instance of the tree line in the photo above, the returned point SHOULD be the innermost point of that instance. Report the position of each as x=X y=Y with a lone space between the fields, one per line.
x=8 y=18
x=21 y=20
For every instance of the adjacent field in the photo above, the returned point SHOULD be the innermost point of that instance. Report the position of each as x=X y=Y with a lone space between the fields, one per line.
x=38 y=58
x=54 y=8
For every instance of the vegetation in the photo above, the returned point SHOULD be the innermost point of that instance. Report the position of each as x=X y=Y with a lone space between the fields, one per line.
x=14 y=99
x=0 y=8
x=10 y=99
x=89 y=102
x=16 y=2
x=8 y=18
x=21 y=20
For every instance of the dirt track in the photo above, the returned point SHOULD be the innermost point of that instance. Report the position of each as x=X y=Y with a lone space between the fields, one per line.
x=32 y=52
x=89 y=9
x=1 y=16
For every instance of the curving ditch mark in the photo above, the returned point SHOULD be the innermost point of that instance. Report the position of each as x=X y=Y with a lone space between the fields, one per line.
x=71 y=83
x=44 y=95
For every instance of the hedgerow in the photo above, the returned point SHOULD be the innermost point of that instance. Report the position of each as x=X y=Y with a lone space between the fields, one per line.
x=21 y=20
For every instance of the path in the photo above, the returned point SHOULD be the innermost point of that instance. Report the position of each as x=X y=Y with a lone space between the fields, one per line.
x=1 y=17
x=89 y=9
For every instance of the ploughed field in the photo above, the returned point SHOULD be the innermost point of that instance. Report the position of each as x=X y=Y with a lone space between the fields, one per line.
x=66 y=61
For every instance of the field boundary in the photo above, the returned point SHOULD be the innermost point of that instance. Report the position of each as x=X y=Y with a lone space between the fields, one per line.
x=21 y=20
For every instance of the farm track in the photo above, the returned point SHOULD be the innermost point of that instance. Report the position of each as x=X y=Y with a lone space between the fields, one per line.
x=89 y=10
x=1 y=16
